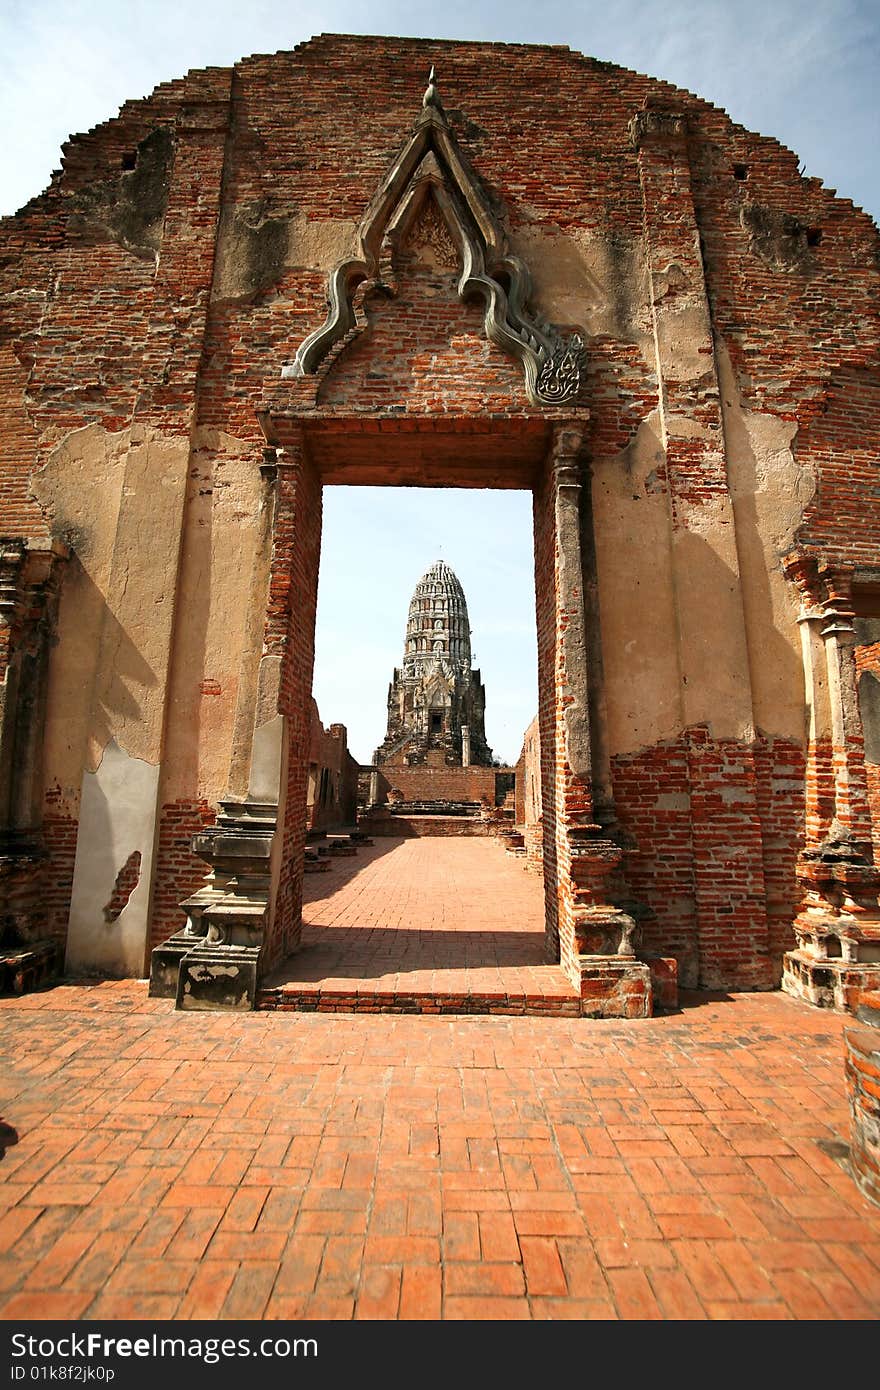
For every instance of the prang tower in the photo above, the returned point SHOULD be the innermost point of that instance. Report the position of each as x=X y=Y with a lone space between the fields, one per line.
x=436 y=701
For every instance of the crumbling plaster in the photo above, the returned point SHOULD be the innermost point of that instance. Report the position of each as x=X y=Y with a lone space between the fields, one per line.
x=255 y=245
x=211 y=628
x=117 y=816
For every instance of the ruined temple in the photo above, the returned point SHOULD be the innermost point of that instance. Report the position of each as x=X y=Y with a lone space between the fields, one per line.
x=436 y=701
x=542 y=272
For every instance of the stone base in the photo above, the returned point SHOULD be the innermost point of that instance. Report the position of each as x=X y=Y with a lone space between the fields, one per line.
x=664 y=981
x=219 y=977
x=165 y=964
x=614 y=987
x=23 y=968
x=863 y=1088
x=829 y=984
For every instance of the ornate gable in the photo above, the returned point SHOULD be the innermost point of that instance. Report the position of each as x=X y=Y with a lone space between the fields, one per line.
x=431 y=204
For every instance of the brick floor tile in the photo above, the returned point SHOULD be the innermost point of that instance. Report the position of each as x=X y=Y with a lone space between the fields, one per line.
x=379 y=1295
x=482 y=1309
x=498 y=1239
x=341 y=1266
x=675 y=1295
x=421 y=1293
x=62 y=1194
x=52 y=1270
x=424 y=1214
x=748 y=1312
x=461 y=1236
x=150 y=1276
x=483 y=1279
x=44 y=1306
x=14 y=1223
x=694 y=1226
x=184 y=1194
x=250 y=1289
x=332 y=1223
x=243 y=1211
x=573 y=1309
x=849 y=1301
x=206 y=1294
x=633 y=1294
x=698 y=1260
x=802 y=1296
x=402 y=1250
x=614 y=1252
x=743 y=1270
x=242 y=1245
x=138 y=1307
x=298 y=1270
x=542 y=1266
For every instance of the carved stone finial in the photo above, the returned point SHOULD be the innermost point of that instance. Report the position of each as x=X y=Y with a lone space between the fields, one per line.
x=431 y=97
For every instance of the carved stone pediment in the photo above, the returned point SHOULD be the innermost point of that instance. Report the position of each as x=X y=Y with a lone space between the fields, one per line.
x=431 y=200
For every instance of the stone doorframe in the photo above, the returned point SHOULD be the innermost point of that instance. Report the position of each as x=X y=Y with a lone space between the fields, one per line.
x=248 y=916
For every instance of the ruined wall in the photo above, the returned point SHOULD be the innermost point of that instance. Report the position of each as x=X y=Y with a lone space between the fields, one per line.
x=527 y=810
x=333 y=777
x=729 y=310
x=439 y=783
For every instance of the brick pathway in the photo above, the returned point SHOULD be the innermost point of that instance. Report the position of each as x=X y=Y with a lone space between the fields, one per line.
x=423 y=925
x=285 y=1165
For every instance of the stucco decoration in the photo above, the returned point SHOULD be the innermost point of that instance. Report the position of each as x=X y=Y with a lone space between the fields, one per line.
x=431 y=166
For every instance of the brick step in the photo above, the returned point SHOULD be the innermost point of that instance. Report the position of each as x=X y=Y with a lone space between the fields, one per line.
x=353 y=1000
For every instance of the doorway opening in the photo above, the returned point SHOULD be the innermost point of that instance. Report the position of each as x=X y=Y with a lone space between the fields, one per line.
x=437 y=899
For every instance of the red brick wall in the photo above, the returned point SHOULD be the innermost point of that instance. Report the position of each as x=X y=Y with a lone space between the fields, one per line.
x=179 y=872
x=59 y=838
x=652 y=798
x=717 y=879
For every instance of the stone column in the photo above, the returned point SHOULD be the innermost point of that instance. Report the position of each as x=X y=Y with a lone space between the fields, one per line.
x=837 y=929
x=848 y=741
x=597 y=939
x=465 y=746
x=802 y=570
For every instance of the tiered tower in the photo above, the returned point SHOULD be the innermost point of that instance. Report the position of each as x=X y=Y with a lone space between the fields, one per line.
x=436 y=701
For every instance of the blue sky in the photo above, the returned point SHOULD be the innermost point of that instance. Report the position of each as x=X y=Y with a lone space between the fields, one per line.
x=804 y=72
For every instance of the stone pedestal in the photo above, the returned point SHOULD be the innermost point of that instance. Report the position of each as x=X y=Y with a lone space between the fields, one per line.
x=214 y=962
x=838 y=927
x=613 y=982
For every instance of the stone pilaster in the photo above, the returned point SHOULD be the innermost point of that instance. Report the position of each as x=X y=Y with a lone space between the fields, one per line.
x=837 y=929
x=596 y=938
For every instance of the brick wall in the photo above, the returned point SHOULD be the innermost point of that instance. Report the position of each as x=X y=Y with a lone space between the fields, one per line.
x=179 y=873
x=439 y=783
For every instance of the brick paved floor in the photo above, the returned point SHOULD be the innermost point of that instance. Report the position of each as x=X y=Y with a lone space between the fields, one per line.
x=285 y=1165
x=445 y=923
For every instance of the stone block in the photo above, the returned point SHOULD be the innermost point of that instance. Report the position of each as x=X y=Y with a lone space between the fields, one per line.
x=223 y=977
